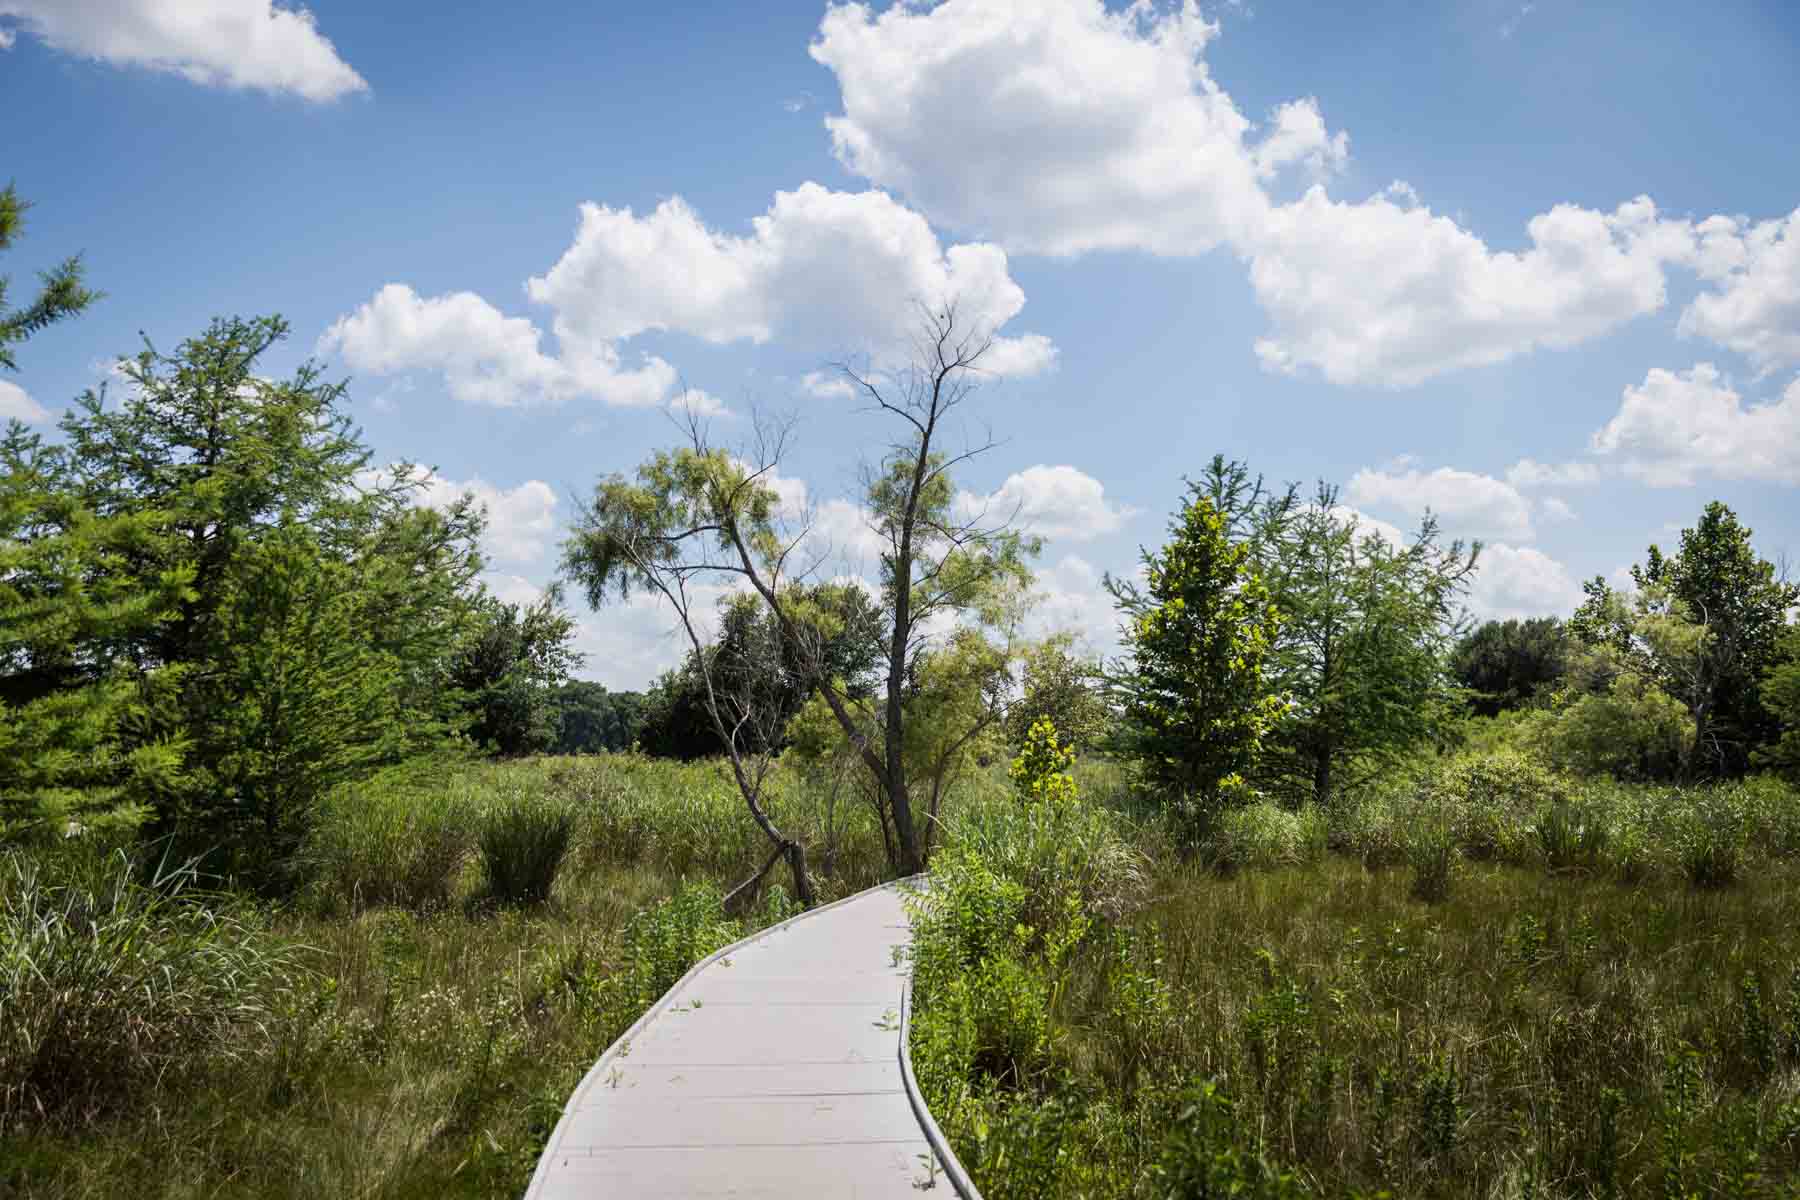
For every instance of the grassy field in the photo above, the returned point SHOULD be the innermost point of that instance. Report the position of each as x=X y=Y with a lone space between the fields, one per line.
x=1479 y=978
x=397 y=1029
x=1595 y=992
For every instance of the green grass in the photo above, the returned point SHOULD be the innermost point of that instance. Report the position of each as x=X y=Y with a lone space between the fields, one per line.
x=1478 y=978
x=400 y=1034
x=1502 y=983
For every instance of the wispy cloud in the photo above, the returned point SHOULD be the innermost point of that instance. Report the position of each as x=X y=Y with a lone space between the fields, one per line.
x=1510 y=26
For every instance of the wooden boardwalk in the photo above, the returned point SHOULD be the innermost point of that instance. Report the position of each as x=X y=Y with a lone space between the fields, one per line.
x=775 y=1068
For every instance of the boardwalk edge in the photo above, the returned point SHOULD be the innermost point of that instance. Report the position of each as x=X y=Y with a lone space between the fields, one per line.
x=940 y=1145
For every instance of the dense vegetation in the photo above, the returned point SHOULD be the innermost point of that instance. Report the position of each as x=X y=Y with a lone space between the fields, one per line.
x=1317 y=890
x=408 y=1024
x=1480 y=977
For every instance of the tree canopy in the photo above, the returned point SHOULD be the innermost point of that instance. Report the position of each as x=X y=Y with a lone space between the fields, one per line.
x=1506 y=664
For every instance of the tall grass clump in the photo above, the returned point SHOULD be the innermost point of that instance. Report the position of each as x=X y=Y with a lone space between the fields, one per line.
x=1432 y=852
x=1708 y=834
x=523 y=840
x=1264 y=834
x=111 y=988
x=400 y=838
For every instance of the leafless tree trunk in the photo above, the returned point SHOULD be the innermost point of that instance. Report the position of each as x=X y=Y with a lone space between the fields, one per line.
x=911 y=511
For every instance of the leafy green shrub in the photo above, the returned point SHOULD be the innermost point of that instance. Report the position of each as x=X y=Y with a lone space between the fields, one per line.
x=1051 y=842
x=984 y=982
x=1630 y=729
x=659 y=944
x=1027 y=1145
x=523 y=843
x=1207 y=1156
x=111 y=988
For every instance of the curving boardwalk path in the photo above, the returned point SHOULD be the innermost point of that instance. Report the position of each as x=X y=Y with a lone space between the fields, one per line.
x=773 y=1069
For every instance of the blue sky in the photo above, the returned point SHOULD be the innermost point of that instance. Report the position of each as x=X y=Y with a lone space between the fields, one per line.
x=1534 y=266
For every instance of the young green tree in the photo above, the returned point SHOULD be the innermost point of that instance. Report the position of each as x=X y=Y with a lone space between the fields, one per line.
x=691 y=520
x=955 y=706
x=1781 y=696
x=507 y=671
x=956 y=702
x=937 y=566
x=1195 y=701
x=68 y=596
x=1366 y=625
x=1063 y=687
x=1717 y=581
x=243 y=469
x=1615 y=713
x=303 y=702
x=64 y=600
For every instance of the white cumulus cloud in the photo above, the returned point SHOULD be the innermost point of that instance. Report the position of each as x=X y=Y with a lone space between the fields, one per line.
x=1389 y=294
x=827 y=385
x=1299 y=137
x=1679 y=425
x=1755 y=307
x=1069 y=598
x=1528 y=473
x=220 y=43
x=485 y=356
x=1053 y=502
x=838 y=271
x=16 y=404
x=1516 y=582
x=1467 y=504
x=1054 y=126
x=1555 y=508
x=1079 y=127
x=834 y=272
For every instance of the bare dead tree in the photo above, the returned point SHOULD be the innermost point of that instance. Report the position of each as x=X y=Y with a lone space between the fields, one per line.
x=934 y=562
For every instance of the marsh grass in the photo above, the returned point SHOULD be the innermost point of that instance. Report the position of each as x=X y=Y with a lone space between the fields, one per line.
x=1503 y=982
x=1605 y=1002
x=115 y=984
x=523 y=841
x=401 y=840
x=1529 y=1034
x=389 y=1033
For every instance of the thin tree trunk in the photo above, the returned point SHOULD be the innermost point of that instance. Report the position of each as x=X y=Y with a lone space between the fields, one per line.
x=803 y=889
x=898 y=800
